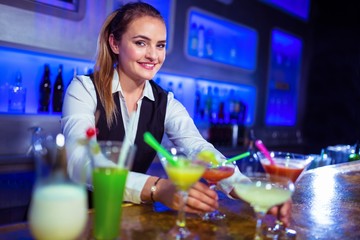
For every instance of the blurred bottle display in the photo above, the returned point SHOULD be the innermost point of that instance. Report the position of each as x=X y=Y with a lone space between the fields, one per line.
x=17 y=96
x=356 y=155
x=58 y=95
x=45 y=90
x=250 y=164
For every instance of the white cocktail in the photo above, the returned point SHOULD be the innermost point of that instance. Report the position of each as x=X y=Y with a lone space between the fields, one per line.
x=58 y=212
x=262 y=192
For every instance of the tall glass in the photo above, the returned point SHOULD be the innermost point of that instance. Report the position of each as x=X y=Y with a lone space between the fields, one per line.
x=183 y=175
x=109 y=178
x=290 y=165
x=58 y=208
x=263 y=191
x=214 y=174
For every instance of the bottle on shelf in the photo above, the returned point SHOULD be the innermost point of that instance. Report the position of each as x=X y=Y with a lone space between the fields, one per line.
x=17 y=96
x=214 y=110
x=201 y=41
x=45 y=90
x=208 y=104
x=193 y=40
x=58 y=95
x=250 y=164
x=209 y=43
x=180 y=93
x=197 y=112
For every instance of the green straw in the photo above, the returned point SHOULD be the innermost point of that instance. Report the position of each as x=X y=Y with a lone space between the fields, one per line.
x=152 y=142
x=237 y=157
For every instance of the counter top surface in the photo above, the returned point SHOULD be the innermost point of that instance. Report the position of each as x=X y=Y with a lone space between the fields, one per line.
x=326 y=205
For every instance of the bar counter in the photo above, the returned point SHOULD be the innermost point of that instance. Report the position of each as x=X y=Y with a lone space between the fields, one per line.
x=326 y=205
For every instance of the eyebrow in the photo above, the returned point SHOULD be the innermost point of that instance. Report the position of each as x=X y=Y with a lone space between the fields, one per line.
x=146 y=38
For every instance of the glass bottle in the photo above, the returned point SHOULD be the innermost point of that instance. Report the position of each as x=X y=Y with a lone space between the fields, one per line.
x=45 y=90
x=58 y=95
x=193 y=40
x=17 y=96
x=250 y=164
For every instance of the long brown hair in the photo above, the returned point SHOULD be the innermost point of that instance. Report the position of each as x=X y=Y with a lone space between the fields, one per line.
x=106 y=60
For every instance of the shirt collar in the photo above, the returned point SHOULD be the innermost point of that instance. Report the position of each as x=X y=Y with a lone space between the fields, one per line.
x=116 y=87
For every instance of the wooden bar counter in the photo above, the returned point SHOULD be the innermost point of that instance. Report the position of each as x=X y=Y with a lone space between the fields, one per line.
x=326 y=205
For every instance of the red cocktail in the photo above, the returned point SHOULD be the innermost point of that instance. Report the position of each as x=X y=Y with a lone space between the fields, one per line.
x=288 y=165
x=213 y=175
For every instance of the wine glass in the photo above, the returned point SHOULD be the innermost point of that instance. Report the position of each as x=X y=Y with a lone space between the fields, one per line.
x=183 y=175
x=263 y=191
x=290 y=165
x=213 y=174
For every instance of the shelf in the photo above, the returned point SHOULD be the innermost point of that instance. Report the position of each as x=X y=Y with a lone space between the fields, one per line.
x=214 y=39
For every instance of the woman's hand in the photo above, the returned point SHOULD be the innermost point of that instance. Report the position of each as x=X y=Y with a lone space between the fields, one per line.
x=201 y=198
x=282 y=212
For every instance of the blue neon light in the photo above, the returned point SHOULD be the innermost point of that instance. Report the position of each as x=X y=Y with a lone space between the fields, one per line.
x=299 y=8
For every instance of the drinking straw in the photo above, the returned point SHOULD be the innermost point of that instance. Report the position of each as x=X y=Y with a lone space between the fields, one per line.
x=126 y=142
x=152 y=142
x=237 y=157
x=259 y=144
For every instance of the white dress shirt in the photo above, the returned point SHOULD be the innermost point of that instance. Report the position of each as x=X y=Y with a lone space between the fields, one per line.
x=79 y=114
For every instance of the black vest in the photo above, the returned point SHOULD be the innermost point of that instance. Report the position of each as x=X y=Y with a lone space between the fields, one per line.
x=152 y=118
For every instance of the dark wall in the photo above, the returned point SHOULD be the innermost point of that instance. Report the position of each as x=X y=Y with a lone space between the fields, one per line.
x=332 y=113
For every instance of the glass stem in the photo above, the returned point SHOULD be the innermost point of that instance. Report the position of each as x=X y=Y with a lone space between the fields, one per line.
x=259 y=221
x=181 y=222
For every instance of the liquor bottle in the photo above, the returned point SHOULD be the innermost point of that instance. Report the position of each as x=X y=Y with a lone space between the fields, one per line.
x=251 y=164
x=209 y=43
x=58 y=94
x=201 y=41
x=197 y=112
x=45 y=90
x=193 y=40
x=17 y=96
x=180 y=93
x=356 y=155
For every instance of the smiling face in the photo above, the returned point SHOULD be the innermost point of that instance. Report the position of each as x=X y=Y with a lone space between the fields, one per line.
x=141 y=49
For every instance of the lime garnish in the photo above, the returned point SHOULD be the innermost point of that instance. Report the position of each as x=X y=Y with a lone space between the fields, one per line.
x=208 y=156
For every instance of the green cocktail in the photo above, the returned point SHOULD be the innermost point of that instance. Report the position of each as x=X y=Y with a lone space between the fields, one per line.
x=109 y=185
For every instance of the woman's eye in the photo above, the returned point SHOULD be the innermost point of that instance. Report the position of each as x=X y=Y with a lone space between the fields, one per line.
x=140 y=43
x=161 y=45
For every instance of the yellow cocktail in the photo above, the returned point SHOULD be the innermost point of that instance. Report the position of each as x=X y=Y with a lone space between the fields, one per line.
x=183 y=173
x=183 y=177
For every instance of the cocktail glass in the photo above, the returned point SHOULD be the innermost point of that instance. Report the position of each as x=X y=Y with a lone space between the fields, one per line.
x=263 y=191
x=183 y=175
x=290 y=165
x=214 y=174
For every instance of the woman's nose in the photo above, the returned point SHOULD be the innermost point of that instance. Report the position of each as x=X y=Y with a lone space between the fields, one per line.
x=151 y=53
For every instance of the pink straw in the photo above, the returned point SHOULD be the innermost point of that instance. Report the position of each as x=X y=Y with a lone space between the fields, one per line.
x=259 y=144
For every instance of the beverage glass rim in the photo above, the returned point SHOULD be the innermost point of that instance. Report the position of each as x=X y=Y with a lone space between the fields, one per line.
x=307 y=158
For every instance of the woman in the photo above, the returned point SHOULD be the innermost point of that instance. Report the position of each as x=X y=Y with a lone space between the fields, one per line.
x=131 y=50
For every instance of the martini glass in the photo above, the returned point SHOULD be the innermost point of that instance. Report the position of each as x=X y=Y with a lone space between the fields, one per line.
x=214 y=174
x=263 y=191
x=290 y=165
x=183 y=175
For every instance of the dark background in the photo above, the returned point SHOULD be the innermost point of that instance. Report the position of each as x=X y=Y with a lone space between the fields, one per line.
x=332 y=110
